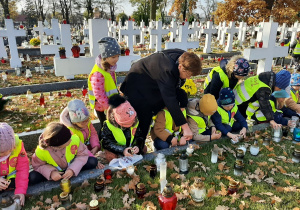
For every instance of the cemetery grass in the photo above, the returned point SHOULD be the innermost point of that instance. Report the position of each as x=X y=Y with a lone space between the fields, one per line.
x=284 y=193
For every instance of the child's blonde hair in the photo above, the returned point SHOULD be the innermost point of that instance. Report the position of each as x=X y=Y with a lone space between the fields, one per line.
x=230 y=65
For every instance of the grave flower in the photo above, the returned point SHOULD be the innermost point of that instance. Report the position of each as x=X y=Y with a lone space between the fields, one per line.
x=35 y=42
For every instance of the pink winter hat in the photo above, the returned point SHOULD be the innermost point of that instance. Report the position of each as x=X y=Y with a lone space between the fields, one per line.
x=7 y=137
x=125 y=114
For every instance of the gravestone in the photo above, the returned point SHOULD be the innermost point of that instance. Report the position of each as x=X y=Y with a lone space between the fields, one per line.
x=282 y=29
x=159 y=32
x=242 y=32
x=40 y=29
x=208 y=31
x=269 y=51
x=11 y=33
x=231 y=30
x=223 y=34
x=294 y=30
x=260 y=30
x=130 y=32
x=173 y=30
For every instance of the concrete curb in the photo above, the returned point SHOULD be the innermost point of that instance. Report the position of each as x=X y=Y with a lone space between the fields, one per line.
x=92 y=174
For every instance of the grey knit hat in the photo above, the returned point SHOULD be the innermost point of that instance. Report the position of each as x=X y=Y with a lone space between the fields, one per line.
x=77 y=111
x=108 y=47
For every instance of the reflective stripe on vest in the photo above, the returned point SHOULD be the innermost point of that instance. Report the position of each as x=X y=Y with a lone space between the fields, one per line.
x=297 y=49
x=80 y=134
x=71 y=151
x=118 y=133
x=253 y=108
x=200 y=123
x=225 y=116
x=169 y=121
x=294 y=96
x=223 y=77
x=109 y=85
x=245 y=90
x=15 y=153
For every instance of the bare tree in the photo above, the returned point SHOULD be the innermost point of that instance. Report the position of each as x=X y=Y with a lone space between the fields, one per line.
x=208 y=8
x=4 y=4
x=39 y=7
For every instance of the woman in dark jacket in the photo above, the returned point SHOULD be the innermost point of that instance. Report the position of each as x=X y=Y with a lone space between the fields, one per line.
x=228 y=74
x=151 y=85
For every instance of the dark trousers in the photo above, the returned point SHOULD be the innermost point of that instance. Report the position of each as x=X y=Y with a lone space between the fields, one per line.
x=160 y=144
x=282 y=61
x=11 y=186
x=236 y=127
x=102 y=118
x=35 y=177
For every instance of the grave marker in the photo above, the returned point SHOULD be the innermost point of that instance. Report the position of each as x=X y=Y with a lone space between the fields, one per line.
x=159 y=32
x=130 y=32
x=294 y=30
x=231 y=30
x=3 y=53
x=208 y=31
x=242 y=32
x=40 y=29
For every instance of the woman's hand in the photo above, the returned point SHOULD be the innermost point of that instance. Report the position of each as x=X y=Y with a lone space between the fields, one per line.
x=135 y=150
x=275 y=125
x=187 y=133
x=243 y=132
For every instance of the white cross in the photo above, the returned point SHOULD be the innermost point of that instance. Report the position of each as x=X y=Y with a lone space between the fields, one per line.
x=55 y=31
x=196 y=30
x=172 y=30
x=283 y=29
x=294 y=30
x=219 y=31
x=223 y=33
x=269 y=51
x=142 y=33
x=40 y=29
x=11 y=33
x=3 y=53
x=130 y=33
x=159 y=32
x=153 y=37
x=260 y=30
x=183 y=39
x=208 y=31
x=112 y=32
x=231 y=30
x=242 y=32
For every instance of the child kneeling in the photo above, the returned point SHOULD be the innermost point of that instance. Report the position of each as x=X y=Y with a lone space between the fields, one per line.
x=14 y=163
x=228 y=119
x=198 y=116
x=119 y=134
x=165 y=132
x=59 y=155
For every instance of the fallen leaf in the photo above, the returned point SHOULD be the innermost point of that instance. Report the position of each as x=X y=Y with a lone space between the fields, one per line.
x=154 y=186
x=270 y=180
x=266 y=193
x=221 y=166
x=255 y=198
x=271 y=149
x=81 y=206
x=262 y=163
x=48 y=201
x=147 y=168
x=271 y=155
x=125 y=188
x=211 y=192
x=150 y=193
x=149 y=205
x=85 y=183
x=180 y=196
x=204 y=154
x=55 y=198
x=219 y=207
x=281 y=169
x=223 y=189
x=94 y=196
x=35 y=208
x=246 y=194
x=277 y=199
x=287 y=182
x=248 y=182
x=174 y=175
x=102 y=200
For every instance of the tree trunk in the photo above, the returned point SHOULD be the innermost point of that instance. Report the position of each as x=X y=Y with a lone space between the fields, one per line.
x=153 y=10
x=270 y=4
x=4 y=4
x=184 y=10
x=112 y=10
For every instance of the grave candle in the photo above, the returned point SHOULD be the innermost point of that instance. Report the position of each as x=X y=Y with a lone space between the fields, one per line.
x=294 y=123
x=140 y=190
x=168 y=199
x=42 y=99
x=238 y=167
x=29 y=95
x=183 y=164
x=214 y=155
x=296 y=155
x=189 y=149
x=296 y=134
x=68 y=94
x=45 y=40
x=233 y=187
x=42 y=70
x=86 y=39
x=254 y=149
x=51 y=96
x=198 y=192
x=163 y=171
x=3 y=60
x=64 y=198
x=107 y=174
x=277 y=134
x=130 y=169
x=160 y=158
x=153 y=171
x=99 y=185
x=28 y=73
x=65 y=185
x=17 y=71
x=4 y=76
x=94 y=205
x=266 y=141
x=84 y=90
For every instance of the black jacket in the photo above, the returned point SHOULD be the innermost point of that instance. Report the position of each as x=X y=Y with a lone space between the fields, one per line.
x=109 y=142
x=216 y=84
x=153 y=81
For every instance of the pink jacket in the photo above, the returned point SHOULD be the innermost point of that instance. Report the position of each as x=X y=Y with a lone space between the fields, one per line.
x=97 y=81
x=22 y=168
x=94 y=139
x=58 y=156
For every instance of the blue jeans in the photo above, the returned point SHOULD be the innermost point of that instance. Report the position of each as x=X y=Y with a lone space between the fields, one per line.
x=236 y=127
x=160 y=144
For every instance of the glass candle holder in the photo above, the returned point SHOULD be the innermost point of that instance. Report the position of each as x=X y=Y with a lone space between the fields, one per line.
x=183 y=164
x=29 y=95
x=99 y=185
x=277 y=134
x=294 y=120
x=65 y=185
x=163 y=171
x=240 y=154
x=296 y=134
x=64 y=199
x=233 y=187
x=296 y=156
x=254 y=149
x=130 y=169
x=167 y=200
x=108 y=174
x=214 y=155
x=153 y=171
x=190 y=149
x=198 y=192
x=94 y=205
x=140 y=190
x=159 y=159
x=266 y=141
x=238 y=168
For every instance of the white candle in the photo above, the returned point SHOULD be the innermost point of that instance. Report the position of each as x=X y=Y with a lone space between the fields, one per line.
x=189 y=149
x=130 y=170
x=163 y=171
x=277 y=133
x=254 y=150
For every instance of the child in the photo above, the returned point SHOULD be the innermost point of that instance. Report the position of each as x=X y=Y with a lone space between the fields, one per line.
x=277 y=103
x=119 y=133
x=77 y=118
x=59 y=155
x=198 y=117
x=14 y=163
x=293 y=102
x=165 y=132
x=102 y=79
x=228 y=118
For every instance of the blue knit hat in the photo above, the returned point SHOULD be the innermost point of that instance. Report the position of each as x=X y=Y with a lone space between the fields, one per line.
x=241 y=67
x=283 y=78
x=280 y=94
x=227 y=97
x=295 y=80
x=109 y=47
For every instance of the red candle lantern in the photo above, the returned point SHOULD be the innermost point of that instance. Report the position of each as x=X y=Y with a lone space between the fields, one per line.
x=219 y=59
x=282 y=44
x=62 y=53
x=84 y=90
x=68 y=94
x=21 y=26
x=75 y=50
x=64 y=22
x=107 y=174
x=3 y=60
x=42 y=99
x=127 y=51
x=260 y=44
x=202 y=58
x=167 y=200
x=47 y=59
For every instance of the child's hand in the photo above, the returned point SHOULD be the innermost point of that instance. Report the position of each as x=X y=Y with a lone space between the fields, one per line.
x=126 y=152
x=235 y=137
x=68 y=174
x=174 y=142
x=100 y=166
x=56 y=175
x=215 y=135
x=182 y=141
x=3 y=184
x=243 y=132
x=135 y=150
x=22 y=198
x=94 y=150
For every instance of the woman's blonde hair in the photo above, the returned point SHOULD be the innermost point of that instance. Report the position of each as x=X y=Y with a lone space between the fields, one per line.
x=230 y=65
x=51 y=130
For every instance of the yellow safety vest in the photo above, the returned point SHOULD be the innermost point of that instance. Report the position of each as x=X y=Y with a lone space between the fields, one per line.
x=118 y=133
x=200 y=123
x=297 y=49
x=169 y=122
x=253 y=108
x=80 y=134
x=245 y=90
x=14 y=154
x=71 y=151
x=295 y=96
x=225 y=116
x=1 y=96
x=287 y=44
x=109 y=85
x=223 y=77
